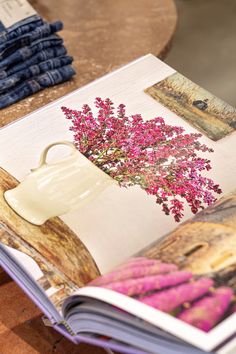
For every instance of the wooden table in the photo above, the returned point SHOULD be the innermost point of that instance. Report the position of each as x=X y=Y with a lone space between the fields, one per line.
x=101 y=35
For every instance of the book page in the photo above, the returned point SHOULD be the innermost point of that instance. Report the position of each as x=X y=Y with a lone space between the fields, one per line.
x=184 y=284
x=78 y=244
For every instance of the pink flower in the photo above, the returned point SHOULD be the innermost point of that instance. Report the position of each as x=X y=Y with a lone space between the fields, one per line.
x=142 y=285
x=205 y=313
x=160 y=158
x=170 y=299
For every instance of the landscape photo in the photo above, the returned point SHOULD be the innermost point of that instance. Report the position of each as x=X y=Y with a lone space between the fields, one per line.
x=204 y=111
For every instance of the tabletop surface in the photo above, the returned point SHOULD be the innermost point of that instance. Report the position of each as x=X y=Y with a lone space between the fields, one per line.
x=101 y=35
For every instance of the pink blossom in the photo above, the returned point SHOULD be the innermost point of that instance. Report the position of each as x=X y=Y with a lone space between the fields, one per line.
x=138 y=286
x=169 y=299
x=160 y=158
x=205 y=313
x=134 y=271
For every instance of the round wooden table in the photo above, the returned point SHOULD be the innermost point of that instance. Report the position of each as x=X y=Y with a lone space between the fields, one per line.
x=101 y=35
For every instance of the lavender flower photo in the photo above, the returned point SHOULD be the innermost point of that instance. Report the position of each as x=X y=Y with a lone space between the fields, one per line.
x=190 y=274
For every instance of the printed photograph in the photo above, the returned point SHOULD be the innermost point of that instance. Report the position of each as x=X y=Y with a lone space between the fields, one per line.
x=204 y=111
x=191 y=274
x=64 y=260
x=108 y=149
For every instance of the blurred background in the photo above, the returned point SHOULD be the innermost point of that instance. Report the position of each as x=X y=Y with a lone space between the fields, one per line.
x=204 y=45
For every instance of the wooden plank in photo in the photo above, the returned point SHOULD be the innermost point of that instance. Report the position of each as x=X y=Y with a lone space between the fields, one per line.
x=57 y=250
x=205 y=244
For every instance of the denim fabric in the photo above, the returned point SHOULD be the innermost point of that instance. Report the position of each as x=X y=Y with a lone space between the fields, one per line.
x=28 y=51
x=34 y=70
x=20 y=28
x=37 y=58
x=36 y=84
x=45 y=30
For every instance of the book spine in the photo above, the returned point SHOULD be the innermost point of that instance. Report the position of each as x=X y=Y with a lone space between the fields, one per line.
x=67 y=327
x=48 y=323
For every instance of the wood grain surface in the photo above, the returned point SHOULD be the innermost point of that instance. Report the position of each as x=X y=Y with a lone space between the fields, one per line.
x=205 y=244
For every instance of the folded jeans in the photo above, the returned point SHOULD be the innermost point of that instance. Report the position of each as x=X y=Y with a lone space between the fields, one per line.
x=21 y=27
x=34 y=70
x=37 y=58
x=10 y=46
x=28 y=51
x=36 y=84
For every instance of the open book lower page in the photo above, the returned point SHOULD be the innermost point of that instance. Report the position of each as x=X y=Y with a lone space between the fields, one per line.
x=189 y=275
x=62 y=254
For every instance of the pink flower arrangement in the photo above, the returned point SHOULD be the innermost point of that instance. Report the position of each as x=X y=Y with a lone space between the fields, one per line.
x=158 y=157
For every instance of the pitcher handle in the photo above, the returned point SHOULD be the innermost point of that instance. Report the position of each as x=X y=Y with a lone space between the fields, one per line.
x=43 y=157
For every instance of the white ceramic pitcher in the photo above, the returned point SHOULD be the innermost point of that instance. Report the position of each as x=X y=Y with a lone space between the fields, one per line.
x=53 y=189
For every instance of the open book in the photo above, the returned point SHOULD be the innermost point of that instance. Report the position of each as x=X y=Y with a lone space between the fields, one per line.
x=117 y=272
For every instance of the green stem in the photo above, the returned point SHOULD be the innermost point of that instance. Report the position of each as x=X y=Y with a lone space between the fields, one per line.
x=101 y=154
x=106 y=150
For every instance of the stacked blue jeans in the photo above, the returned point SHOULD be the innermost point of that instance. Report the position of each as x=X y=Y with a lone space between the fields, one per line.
x=32 y=57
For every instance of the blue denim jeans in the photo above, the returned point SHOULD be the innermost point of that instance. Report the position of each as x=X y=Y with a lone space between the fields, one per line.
x=34 y=70
x=26 y=52
x=37 y=58
x=38 y=83
x=20 y=28
x=10 y=46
